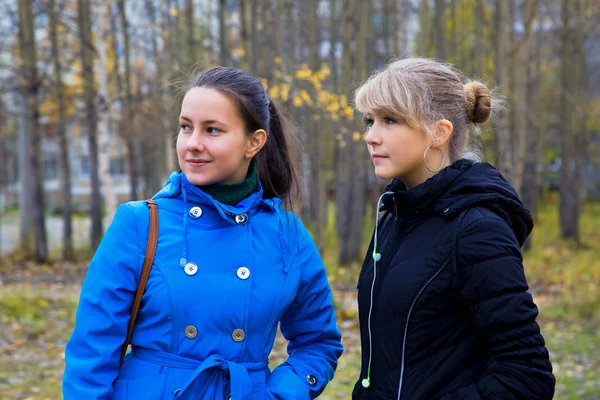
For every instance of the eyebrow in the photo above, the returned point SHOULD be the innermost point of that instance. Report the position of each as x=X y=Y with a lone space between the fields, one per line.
x=206 y=122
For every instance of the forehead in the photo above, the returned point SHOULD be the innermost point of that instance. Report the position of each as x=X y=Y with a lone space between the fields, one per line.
x=206 y=103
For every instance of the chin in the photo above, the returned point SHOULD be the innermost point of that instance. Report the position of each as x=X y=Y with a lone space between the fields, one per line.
x=198 y=180
x=384 y=175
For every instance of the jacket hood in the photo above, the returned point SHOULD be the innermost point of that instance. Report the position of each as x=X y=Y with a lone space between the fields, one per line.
x=459 y=186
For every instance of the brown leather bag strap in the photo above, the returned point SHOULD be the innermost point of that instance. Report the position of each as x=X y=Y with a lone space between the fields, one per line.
x=148 y=260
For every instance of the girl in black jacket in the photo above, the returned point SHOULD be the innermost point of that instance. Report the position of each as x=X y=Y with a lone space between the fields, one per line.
x=443 y=303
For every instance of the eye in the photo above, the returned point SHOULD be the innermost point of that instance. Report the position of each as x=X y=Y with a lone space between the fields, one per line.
x=388 y=121
x=213 y=131
x=368 y=122
x=185 y=128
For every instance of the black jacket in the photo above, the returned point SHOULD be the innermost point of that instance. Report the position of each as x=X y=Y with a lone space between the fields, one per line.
x=451 y=317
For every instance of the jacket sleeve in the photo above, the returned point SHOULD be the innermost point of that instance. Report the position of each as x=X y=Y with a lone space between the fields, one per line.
x=93 y=351
x=491 y=282
x=310 y=326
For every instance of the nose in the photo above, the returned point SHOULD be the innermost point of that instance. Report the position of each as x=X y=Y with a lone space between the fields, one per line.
x=194 y=142
x=372 y=136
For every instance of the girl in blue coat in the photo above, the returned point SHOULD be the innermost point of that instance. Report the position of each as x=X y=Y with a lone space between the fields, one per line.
x=230 y=266
x=444 y=307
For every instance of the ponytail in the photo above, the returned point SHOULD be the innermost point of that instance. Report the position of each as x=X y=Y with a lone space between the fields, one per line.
x=276 y=168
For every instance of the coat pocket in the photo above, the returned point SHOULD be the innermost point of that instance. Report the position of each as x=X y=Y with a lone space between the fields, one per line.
x=148 y=387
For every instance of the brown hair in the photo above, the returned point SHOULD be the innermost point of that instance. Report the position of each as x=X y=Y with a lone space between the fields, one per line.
x=421 y=91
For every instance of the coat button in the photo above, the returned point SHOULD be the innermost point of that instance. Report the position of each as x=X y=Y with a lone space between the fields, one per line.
x=195 y=212
x=238 y=335
x=190 y=268
x=228 y=397
x=243 y=273
x=191 y=331
x=176 y=393
x=241 y=219
x=311 y=379
x=446 y=210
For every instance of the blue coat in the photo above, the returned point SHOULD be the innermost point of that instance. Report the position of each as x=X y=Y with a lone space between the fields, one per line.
x=222 y=279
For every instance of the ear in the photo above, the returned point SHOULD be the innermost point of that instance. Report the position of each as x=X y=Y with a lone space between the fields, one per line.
x=256 y=141
x=444 y=130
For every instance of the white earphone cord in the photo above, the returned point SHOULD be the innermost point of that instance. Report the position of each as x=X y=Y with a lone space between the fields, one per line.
x=376 y=257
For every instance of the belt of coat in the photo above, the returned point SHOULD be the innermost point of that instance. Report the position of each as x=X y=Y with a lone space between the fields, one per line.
x=210 y=377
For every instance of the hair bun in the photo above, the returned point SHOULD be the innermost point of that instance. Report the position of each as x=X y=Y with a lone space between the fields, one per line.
x=478 y=102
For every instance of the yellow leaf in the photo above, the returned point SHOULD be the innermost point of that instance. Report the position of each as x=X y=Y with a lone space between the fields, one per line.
x=285 y=91
x=297 y=101
x=43 y=303
x=316 y=117
x=356 y=136
x=174 y=11
x=239 y=51
x=277 y=60
x=342 y=144
x=274 y=92
x=303 y=74
x=348 y=112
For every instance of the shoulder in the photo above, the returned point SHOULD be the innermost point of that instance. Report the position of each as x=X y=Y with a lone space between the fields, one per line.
x=480 y=216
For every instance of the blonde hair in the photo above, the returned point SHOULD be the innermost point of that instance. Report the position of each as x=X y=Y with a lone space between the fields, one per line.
x=420 y=92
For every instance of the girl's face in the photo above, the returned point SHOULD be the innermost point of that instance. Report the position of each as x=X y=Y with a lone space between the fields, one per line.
x=213 y=145
x=397 y=150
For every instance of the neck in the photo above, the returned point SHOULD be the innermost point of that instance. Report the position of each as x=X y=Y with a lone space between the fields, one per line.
x=420 y=175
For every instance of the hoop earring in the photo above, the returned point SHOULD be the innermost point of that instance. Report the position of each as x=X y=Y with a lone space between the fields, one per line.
x=425 y=159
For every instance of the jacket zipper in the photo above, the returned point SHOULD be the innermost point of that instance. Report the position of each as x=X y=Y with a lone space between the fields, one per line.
x=408 y=321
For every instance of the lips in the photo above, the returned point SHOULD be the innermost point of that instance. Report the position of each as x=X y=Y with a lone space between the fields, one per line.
x=197 y=162
x=377 y=157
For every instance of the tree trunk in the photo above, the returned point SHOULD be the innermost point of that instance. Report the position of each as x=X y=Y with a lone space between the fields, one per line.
x=502 y=142
x=399 y=12
x=276 y=29
x=572 y=117
x=165 y=157
x=25 y=186
x=334 y=24
x=477 y=49
x=424 y=37
x=222 y=32
x=190 y=30
x=63 y=144
x=103 y=13
x=29 y=73
x=519 y=106
x=291 y=37
x=255 y=53
x=440 y=29
x=128 y=134
x=386 y=11
x=244 y=34
x=170 y=113
x=318 y=201
x=343 y=187
x=530 y=188
x=359 y=161
x=89 y=92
